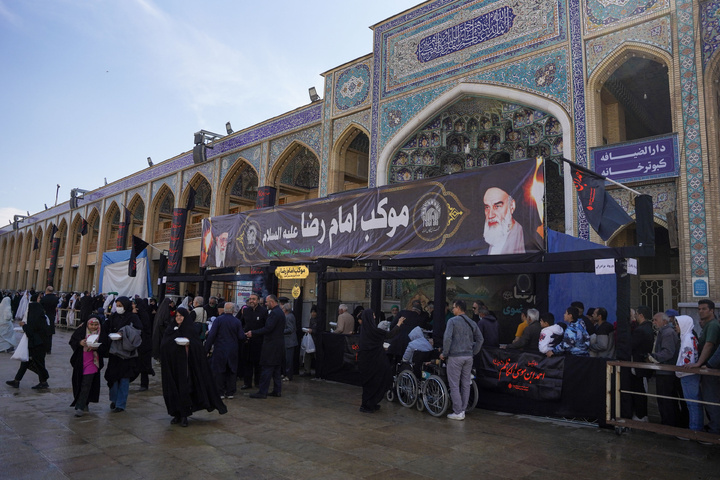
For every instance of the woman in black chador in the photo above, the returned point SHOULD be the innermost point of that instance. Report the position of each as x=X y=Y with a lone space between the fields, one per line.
x=372 y=361
x=187 y=381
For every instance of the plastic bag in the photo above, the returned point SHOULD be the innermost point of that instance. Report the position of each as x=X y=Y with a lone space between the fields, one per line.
x=22 y=352
x=308 y=344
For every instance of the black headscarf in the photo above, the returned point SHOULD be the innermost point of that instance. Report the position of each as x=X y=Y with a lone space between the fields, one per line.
x=126 y=303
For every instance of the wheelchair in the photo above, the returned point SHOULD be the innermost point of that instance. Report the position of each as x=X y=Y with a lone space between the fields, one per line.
x=435 y=393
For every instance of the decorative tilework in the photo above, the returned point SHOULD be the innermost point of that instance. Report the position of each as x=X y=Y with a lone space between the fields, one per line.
x=394 y=115
x=141 y=191
x=547 y=75
x=327 y=137
x=170 y=181
x=663 y=194
x=264 y=167
x=578 y=102
x=309 y=137
x=352 y=88
x=450 y=41
x=207 y=169
x=601 y=14
x=693 y=142
x=339 y=125
x=656 y=32
x=109 y=201
x=252 y=155
x=710 y=26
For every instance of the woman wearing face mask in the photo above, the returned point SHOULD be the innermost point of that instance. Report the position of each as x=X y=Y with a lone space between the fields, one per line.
x=123 y=365
x=87 y=364
x=187 y=381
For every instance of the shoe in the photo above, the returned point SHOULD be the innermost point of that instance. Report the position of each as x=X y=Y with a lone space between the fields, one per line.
x=274 y=394
x=643 y=419
x=364 y=409
x=183 y=422
x=118 y=410
x=245 y=387
x=175 y=421
x=682 y=438
x=456 y=416
x=13 y=383
x=143 y=389
x=701 y=442
x=377 y=407
x=230 y=397
x=41 y=386
x=222 y=397
x=79 y=413
x=257 y=395
x=112 y=405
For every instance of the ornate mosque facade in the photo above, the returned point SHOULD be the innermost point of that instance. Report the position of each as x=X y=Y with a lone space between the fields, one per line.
x=454 y=85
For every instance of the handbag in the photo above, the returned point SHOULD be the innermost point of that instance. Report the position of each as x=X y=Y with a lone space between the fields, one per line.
x=22 y=352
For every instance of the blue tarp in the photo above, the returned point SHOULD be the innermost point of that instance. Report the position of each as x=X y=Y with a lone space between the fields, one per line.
x=590 y=289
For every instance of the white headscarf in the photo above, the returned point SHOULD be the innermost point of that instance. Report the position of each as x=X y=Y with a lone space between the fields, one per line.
x=6 y=310
x=22 y=308
x=688 y=344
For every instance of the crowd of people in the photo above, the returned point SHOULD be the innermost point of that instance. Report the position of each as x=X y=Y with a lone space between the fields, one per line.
x=206 y=349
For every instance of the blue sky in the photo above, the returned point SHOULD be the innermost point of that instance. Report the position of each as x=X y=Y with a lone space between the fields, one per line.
x=90 y=88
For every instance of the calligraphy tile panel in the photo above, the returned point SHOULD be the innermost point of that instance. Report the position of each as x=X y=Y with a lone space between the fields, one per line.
x=458 y=37
x=710 y=25
x=657 y=33
x=600 y=14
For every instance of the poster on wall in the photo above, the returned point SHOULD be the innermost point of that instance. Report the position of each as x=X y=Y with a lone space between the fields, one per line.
x=535 y=377
x=244 y=290
x=496 y=210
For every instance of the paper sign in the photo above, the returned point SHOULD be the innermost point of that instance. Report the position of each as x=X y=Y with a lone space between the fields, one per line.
x=605 y=266
x=632 y=266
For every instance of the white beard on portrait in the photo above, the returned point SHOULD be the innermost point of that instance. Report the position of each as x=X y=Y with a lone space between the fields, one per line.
x=497 y=234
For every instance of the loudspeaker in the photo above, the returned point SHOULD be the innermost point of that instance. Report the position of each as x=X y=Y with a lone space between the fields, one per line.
x=199 y=138
x=199 y=154
x=525 y=284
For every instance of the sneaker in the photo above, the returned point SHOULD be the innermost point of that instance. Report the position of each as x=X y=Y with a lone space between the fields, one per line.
x=229 y=397
x=79 y=413
x=285 y=379
x=41 y=386
x=222 y=397
x=13 y=383
x=142 y=389
x=456 y=416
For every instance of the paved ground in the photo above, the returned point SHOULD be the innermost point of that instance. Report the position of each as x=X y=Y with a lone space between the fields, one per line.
x=314 y=431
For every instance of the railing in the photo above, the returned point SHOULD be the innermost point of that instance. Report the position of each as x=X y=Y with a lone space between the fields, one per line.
x=194 y=230
x=92 y=248
x=76 y=249
x=67 y=318
x=613 y=400
x=162 y=235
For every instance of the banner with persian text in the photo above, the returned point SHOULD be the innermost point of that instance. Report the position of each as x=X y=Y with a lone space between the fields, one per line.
x=496 y=210
x=523 y=374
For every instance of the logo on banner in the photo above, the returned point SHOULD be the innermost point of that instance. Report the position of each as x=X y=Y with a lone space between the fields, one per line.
x=249 y=238
x=433 y=216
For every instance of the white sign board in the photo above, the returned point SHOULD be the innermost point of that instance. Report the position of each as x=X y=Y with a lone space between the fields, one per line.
x=605 y=266
x=632 y=266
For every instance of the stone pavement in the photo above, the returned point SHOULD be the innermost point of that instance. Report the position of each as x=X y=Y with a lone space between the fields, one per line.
x=314 y=431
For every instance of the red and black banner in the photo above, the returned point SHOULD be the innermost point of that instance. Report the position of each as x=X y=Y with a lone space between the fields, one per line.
x=122 y=231
x=491 y=211
x=265 y=197
x=138 y=245
x=526 y=375
x=601 y=210
x=53 y=259
x=177 y=239
x=84 y=227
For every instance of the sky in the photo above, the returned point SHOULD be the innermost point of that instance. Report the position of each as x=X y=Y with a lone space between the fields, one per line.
x=90 y=88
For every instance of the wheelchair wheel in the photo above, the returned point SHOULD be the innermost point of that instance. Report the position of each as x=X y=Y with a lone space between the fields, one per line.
x=436 y=396
x=390 y=395
x=407 y=388
x=473 y=400
x=420 y=404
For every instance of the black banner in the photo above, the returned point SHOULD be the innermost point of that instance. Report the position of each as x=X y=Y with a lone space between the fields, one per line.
x=352 y=347
x=526 y=375
x=177 y=239
x=84 y=227
x=53 y=260
x=601 y=210
x=494 y=210
x=138 y=245
x=265 y=197
x=122 y=232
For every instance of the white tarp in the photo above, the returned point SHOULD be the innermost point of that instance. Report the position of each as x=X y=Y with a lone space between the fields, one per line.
x=114 y=275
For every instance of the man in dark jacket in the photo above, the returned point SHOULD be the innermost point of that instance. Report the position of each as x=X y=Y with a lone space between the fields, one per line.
x=49 y=302
x=642 y=343
x=530 y=337
x=225 y=336
x=253 y=317
x=667 y=347
x=488 y=324
x=38 y=336
x=273 y=349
